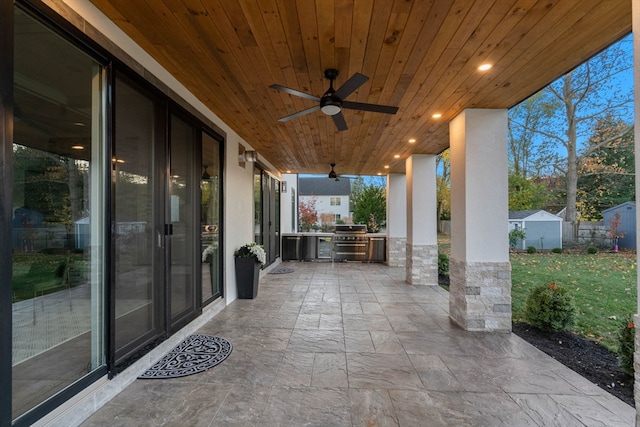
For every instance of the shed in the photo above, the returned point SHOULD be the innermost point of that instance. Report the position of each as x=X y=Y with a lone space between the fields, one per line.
x=543 y=229
x=627 y=211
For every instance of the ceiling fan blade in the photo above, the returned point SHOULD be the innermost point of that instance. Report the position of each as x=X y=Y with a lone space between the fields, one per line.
x=351 y=85
x=338 y=119
x=299 y=113
x=294 y=92
x=376 y=108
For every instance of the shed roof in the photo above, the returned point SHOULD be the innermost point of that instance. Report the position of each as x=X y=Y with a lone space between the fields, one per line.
x=324 y=187
x=619 y=206
x=534 y=214
x=522 y=214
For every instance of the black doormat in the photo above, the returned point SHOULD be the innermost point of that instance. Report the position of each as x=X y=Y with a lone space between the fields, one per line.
x=282 y=270
x=197 y=353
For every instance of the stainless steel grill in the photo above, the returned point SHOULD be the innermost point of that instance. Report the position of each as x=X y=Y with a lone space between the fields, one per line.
x=350 y=243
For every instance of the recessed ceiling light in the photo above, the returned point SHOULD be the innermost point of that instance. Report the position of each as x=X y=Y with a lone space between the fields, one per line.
x=77 y=147
x=288 y=171
x=386 y=166
x=79 y=124
x=485 y=67
x=397 y=156
x=379 y=173
x=437 y=115
x=412 y=140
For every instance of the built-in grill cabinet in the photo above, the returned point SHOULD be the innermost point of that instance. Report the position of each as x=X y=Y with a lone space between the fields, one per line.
x=350 y=243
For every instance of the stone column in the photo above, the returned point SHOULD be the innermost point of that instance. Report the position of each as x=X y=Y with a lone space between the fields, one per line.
x=479 y=268
x=422 y=227
x=635 y=12
x=396 y=220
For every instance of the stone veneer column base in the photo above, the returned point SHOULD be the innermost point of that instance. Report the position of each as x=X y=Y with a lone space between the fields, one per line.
x=422 y=264
x=396 y=252
x=480 y=295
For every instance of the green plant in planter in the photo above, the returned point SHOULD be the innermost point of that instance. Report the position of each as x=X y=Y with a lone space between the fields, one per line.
x=550 y=308
x=252 y=250
x=626 y=337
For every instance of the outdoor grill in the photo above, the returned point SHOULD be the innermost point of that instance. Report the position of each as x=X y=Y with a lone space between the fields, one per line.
x=350 y=243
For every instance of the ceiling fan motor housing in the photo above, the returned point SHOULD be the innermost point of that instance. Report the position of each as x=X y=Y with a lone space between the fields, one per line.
x=330 y=104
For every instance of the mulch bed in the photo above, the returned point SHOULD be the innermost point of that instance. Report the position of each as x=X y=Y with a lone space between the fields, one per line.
x=588 y=358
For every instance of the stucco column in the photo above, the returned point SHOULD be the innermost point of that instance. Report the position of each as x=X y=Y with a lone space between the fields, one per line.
x=479 y=268
x=635 y=11
x=422 y=231
x=396 y=220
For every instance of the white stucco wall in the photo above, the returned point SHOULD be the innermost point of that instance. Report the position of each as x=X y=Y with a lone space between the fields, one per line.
x=479 y=196
x=421 y=200
x=397 y=205
x=288 y=218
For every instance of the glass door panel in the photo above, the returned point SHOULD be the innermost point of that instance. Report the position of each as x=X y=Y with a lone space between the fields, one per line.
x=58 y=217
x=138 y=232
x=182 y=214
x=210 y=226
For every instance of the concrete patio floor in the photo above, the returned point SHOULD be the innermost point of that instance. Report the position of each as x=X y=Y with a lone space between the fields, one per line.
x=350 y=344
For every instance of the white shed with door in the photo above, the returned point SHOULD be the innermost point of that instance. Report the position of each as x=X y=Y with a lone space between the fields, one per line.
x=543 y=230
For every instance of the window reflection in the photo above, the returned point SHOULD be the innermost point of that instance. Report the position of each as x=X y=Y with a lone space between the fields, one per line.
x=58 y=206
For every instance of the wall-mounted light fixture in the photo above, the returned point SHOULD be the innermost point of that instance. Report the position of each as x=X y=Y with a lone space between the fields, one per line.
x=245 y=156
x=250 y=156
x=283 y=186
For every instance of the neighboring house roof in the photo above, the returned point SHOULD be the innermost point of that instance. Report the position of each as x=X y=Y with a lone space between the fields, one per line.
x=324 y=187
x=539 y=214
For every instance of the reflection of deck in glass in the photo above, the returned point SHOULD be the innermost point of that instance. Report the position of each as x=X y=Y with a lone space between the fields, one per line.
x=47 y=321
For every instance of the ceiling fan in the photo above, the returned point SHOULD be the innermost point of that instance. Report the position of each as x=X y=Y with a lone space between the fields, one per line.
x=332 y=102
x=333 y=174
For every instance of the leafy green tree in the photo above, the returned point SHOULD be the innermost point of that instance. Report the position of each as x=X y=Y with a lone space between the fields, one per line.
x=370 y=206
x=525 y=193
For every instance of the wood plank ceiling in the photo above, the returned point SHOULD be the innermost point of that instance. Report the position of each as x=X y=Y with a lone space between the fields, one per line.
x=420 y=55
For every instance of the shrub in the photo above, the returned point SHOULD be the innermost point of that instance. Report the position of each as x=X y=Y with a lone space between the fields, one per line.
x=592 y=250
x=443 y=263
x=626 y=337
x=556 y=250
x=515 y=235
x=531 y=250
x=550 y=308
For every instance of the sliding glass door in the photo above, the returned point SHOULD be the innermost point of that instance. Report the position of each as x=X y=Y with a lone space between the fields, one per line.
x=138 y=215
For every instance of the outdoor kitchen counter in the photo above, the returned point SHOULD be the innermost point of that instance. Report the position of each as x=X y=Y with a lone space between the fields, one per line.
x=312 y=246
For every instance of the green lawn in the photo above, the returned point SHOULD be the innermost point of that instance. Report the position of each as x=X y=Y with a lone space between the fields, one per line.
x=603 y=287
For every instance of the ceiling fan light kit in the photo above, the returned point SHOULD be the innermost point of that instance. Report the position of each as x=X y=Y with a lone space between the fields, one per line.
x=333 y=101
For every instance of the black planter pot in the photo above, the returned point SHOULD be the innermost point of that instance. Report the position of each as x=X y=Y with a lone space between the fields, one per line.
x=247 y=275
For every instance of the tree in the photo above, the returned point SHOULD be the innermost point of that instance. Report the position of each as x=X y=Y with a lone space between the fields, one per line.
x=443 y=185
x=308 y=214
x=528 y=157
x=607 y=172
x=370 y=206
x=525 y=193
x=577 y=100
